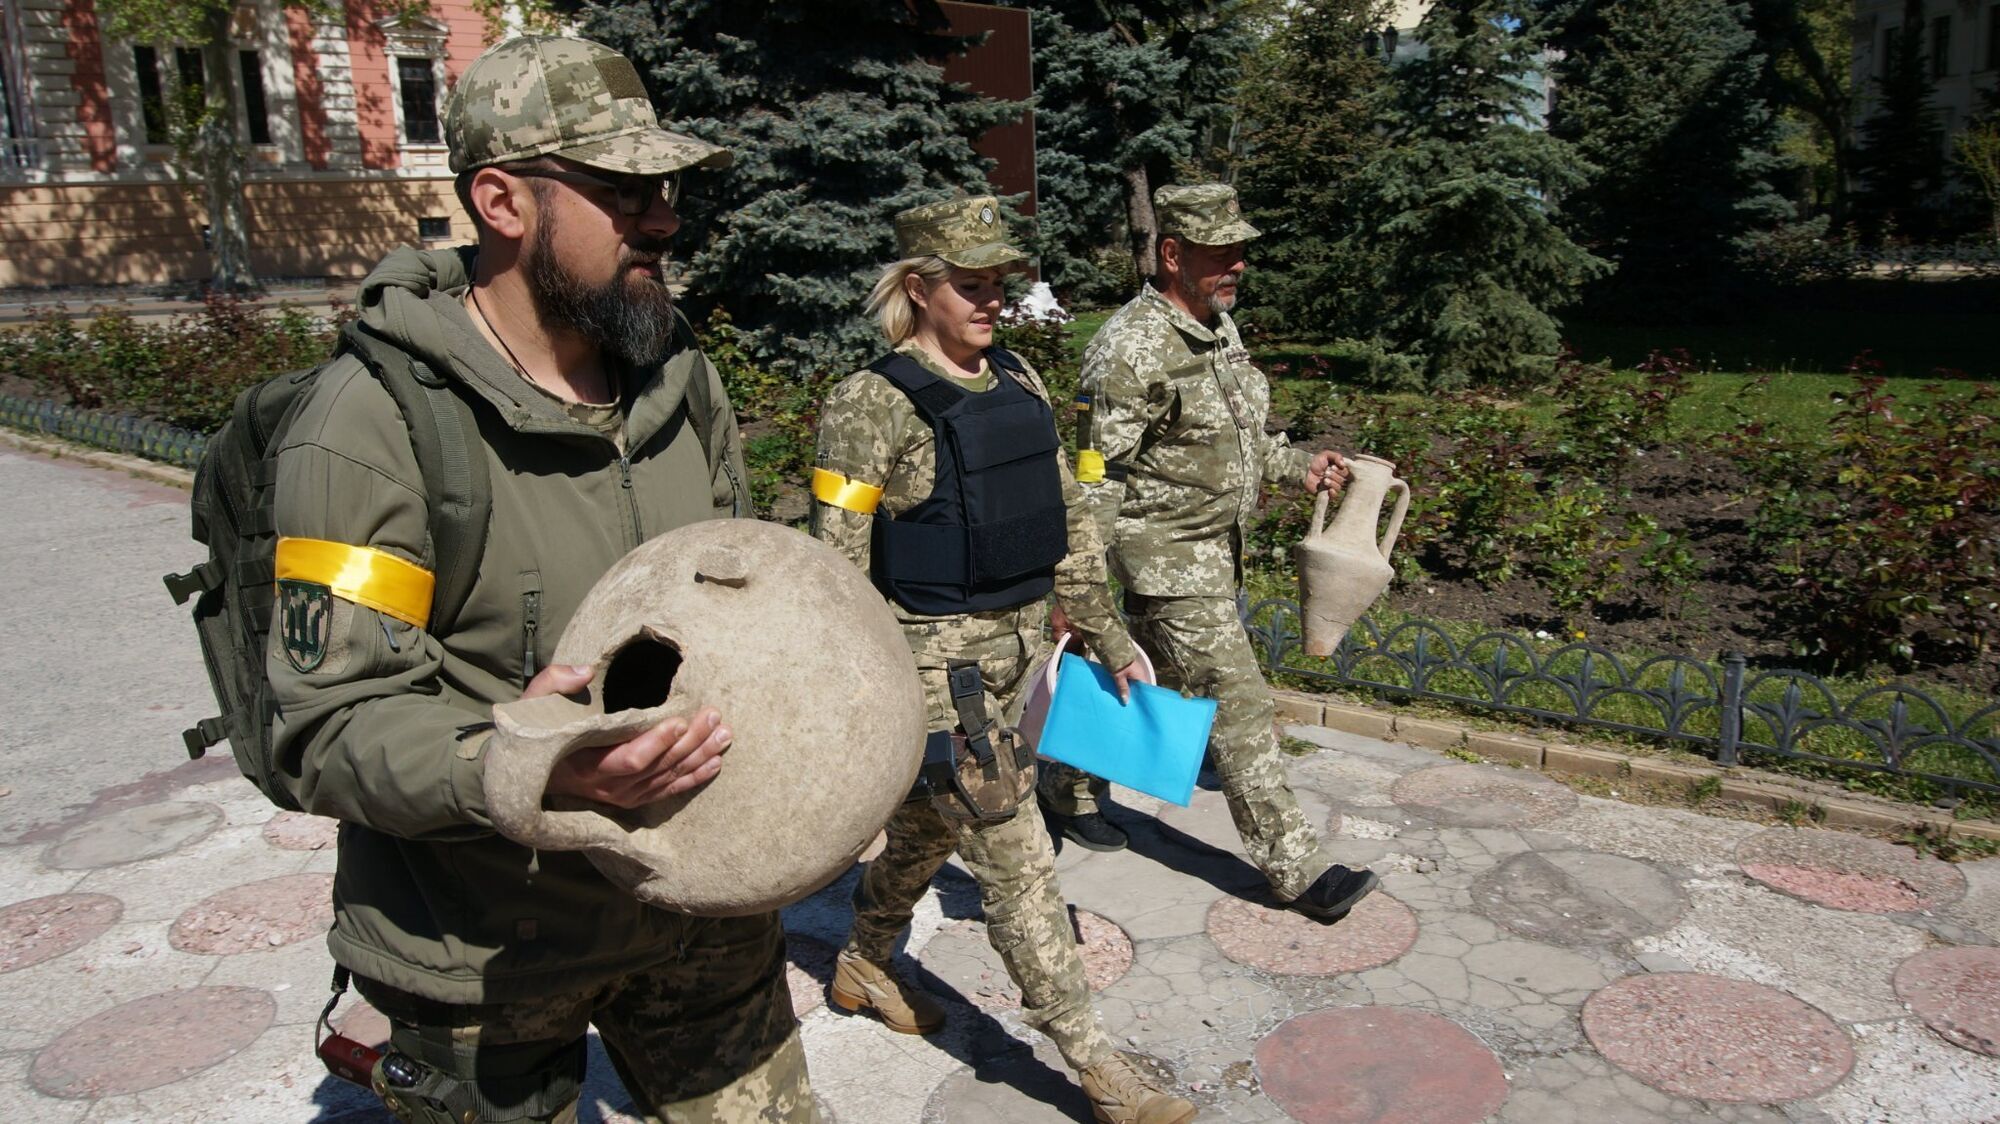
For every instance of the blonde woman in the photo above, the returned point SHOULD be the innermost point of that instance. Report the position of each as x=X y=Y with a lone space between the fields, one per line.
x=940 y=474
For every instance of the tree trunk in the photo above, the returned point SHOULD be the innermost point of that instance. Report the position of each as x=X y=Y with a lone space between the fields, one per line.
x=1140 y=221
x=221 y=157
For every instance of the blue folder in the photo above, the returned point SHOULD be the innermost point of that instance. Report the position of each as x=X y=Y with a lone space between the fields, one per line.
x=1153 y=745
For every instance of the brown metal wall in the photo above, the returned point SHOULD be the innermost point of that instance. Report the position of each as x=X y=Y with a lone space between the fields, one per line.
x=1001 y=67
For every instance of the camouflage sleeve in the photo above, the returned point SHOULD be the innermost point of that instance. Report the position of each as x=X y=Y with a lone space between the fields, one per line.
x=1116 y=406
x=859 y=431
x=1082 y=582
x=1283 y=465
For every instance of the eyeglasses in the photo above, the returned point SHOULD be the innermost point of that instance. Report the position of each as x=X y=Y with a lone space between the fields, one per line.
x=634 y=194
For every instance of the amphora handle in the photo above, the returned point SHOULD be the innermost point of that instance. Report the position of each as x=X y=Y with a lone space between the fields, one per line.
x=1321 y=502
x=1402 y=488
x=1318 y=527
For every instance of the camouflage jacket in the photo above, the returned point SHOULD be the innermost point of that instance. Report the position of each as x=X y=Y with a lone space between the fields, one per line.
x=869 y=433
x=386 y=733
x=1180 y=409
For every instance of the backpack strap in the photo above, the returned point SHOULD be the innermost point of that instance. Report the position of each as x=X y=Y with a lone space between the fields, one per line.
x=700 y=400
x=444 y=435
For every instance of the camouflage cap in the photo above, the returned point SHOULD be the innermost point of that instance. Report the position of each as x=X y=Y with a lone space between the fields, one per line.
x=968 y=233
x=546 y=95
x=1207 y=213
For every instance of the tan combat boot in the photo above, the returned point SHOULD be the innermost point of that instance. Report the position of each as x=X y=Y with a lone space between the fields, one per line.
x=1121 y=1093
x=859 y=983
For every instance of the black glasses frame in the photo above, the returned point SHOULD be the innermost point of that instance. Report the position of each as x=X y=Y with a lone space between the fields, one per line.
x=634 y=194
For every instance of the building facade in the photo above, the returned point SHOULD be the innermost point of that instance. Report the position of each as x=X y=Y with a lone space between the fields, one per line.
x=1961 y=41
x=341 y=109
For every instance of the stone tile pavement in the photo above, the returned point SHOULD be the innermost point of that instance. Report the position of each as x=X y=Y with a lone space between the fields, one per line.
x=1533 y=955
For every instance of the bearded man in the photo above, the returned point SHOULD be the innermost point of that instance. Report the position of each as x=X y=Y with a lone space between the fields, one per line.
x=599 y=425
x=1173 y=459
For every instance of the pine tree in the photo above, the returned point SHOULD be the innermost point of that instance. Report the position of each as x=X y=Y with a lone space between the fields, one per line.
x=839 y=116
x=1125 y=91
x=1459 y=208
x=1901 y=164
x=1306 y=103
x=1667 y=100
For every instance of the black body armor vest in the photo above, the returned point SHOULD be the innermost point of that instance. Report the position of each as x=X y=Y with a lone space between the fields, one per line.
x=994 y=527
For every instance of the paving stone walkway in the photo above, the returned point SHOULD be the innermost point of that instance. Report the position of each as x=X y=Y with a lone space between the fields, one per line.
x=1533 y=956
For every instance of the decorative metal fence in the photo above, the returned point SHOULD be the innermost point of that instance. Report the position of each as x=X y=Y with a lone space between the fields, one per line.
x=103 y=429
x=1723 y=708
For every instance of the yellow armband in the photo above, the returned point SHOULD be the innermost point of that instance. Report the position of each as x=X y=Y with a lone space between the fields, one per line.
x=363 y=575
x=1089 y=466
x=835 y=490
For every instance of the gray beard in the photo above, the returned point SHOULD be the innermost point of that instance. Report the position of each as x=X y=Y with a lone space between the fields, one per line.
x=630 y=322
x=1213 y=302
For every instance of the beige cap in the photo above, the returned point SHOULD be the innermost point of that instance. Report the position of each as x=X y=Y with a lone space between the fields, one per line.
x=968 y=233
x=547 y=95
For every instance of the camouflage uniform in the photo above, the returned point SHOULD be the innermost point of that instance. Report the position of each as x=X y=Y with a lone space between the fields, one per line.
x=1178 y=407
x=492 y=960
x=704 y=1039
x=871 y=437
x=869 y=432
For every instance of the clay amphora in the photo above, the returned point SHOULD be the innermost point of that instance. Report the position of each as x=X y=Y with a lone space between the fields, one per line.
x=812 y=674
x=1343 y=567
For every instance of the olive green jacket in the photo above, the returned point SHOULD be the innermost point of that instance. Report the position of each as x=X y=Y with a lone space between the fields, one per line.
x=387 y=732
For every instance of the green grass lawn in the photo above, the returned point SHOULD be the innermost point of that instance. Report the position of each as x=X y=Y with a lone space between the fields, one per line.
x=1805 y=353
x=1907 y=343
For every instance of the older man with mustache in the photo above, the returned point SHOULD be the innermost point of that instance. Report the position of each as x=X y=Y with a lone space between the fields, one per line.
x=1172 y=456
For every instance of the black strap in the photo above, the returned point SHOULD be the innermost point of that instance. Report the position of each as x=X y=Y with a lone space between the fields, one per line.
x=968 y=698
x=929 y=394
x=199 y=580
x=1116 y=470
x=451 y=458
x=699 y=400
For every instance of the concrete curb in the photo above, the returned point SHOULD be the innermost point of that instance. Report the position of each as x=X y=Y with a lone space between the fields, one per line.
x=60 y=449
x=1743 y=786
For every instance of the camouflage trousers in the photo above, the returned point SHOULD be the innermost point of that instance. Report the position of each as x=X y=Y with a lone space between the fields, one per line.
x=1198 y=645
x=706 y=1037
x=1026 y=919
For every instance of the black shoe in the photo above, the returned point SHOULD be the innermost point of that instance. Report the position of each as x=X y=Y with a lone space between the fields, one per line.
x=1334 y=893
x=1092 y=831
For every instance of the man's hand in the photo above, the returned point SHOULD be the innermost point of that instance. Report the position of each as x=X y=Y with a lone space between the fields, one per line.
x=673 y=757
x=1327 y=473
x=1058 y=620
x=1134 y=672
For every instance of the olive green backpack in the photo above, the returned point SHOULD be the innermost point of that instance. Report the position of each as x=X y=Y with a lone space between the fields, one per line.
x=234 y=491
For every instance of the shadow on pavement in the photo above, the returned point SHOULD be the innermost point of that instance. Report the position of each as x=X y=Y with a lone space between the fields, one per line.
x=1178 y=851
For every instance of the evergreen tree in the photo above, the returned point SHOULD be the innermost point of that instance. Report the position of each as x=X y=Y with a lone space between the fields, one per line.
x=839 y=116
x=1810 y=43
x=1900 y=163
x=1459 y=208
x=1306 y=103
x=1667 y=100
x=1125 y=91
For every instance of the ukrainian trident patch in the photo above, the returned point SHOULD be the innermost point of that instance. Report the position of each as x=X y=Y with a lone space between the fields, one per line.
x=305 y=621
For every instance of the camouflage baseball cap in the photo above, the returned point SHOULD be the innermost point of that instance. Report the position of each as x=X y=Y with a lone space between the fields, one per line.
x=546 y=95
x=1207 y=213
x=968 y=233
